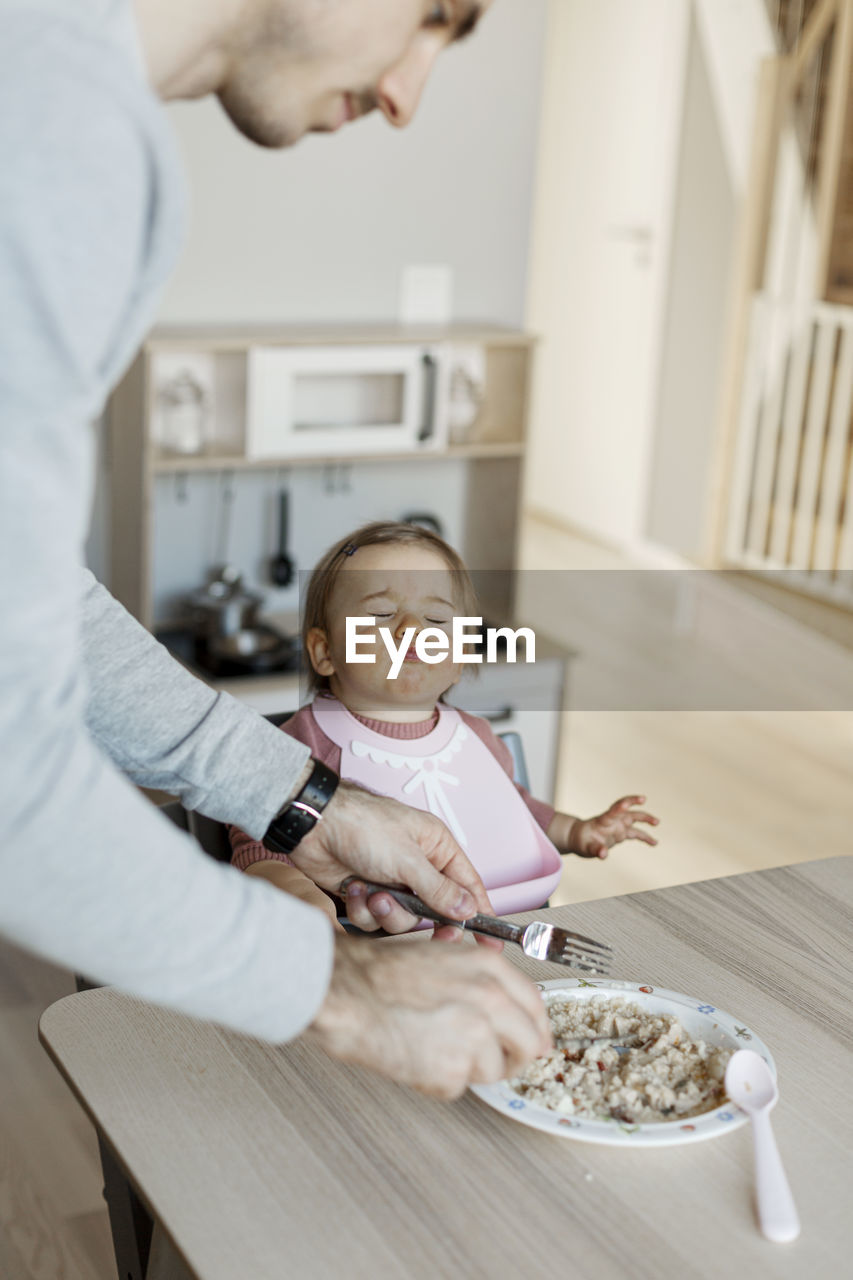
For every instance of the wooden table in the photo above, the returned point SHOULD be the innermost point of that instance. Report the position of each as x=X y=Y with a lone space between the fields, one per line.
x=260 y=1162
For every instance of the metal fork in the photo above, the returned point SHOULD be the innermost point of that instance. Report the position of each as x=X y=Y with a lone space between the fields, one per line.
x=539 y=940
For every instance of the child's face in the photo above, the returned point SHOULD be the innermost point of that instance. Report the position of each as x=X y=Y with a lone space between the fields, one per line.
x=399 y=587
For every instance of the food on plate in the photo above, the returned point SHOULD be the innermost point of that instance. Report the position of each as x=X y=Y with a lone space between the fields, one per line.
x=614 y=1060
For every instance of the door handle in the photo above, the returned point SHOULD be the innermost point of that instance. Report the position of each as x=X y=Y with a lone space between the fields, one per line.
x=430 y=376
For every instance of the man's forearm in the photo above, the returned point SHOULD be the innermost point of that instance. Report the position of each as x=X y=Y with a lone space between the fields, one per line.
x=166 y=729
x=96 y=880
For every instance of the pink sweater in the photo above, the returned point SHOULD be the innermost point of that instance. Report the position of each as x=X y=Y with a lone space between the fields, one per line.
x=304 y=728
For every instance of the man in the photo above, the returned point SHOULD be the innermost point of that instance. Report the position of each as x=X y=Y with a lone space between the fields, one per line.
x=91 y=216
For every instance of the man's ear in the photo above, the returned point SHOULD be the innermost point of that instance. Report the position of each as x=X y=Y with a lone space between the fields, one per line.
x=317 y=644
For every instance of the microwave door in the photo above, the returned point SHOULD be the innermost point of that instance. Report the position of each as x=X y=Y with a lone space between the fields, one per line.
x=338 y=401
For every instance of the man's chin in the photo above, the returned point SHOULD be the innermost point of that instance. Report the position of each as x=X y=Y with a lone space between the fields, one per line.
x=261 y=132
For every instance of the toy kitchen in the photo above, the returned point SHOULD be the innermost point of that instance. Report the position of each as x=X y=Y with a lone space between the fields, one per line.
x=238 y=456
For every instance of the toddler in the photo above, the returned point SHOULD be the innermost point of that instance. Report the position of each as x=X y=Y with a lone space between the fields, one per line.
x=399 y=738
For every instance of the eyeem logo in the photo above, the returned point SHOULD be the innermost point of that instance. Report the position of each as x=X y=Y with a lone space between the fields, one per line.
x=433 y=644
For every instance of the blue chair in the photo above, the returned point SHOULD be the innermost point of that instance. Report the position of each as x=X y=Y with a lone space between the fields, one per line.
x=519 y=764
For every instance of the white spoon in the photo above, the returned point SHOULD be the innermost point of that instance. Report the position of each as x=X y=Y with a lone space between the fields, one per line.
x=750 y=1085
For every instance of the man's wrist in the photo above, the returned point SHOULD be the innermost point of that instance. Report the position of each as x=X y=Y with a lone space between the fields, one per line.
x=307 y=770
x=303 y=810
x=340 y=1018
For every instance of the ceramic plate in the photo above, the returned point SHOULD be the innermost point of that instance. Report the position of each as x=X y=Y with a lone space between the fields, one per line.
x=700 y=1019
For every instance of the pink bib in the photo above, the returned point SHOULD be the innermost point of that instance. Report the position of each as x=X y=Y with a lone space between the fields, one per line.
x=452 y=774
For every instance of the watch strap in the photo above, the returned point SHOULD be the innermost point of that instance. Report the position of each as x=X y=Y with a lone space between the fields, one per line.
x=301 y=814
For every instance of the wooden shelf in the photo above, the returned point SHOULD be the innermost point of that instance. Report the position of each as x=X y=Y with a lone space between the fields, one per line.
x=171 y=464
x=241 y=338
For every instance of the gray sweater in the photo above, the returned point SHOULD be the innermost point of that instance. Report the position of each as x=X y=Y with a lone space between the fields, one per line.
x=91 y=876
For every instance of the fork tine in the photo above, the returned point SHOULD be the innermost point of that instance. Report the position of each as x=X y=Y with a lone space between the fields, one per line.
x=597 y=950
x=569 y=936
x=584 y=953
x=576 y=957
x=573 y=963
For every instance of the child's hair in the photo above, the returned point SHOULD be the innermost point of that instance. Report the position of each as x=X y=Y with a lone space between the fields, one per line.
x=379 y=533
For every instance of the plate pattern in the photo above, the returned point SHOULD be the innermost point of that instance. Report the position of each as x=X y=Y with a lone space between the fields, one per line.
x=699 y=1018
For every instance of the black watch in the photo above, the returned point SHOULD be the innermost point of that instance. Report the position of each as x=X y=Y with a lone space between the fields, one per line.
x=303 y=812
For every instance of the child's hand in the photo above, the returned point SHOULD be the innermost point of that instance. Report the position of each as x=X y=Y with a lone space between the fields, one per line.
x=593 y=837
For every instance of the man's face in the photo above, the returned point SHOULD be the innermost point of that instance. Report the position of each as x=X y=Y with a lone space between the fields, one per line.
x=312 y=65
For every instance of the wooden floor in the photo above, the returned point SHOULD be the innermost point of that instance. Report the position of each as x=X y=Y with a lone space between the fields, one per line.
x=735 y=790
x=53 y=1222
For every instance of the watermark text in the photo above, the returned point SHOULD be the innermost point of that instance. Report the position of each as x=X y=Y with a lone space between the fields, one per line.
x=465 y=643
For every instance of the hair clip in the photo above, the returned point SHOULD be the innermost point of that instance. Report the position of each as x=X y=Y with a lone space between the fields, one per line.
x=350 y=549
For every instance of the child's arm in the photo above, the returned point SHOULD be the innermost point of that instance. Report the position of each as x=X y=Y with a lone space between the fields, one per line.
x=587 y=837
x=291 y=880
x=594 y=837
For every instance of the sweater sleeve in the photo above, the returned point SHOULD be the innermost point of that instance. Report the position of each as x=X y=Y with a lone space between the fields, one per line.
x=543 y=813
x=168 y=730
x=91 y=876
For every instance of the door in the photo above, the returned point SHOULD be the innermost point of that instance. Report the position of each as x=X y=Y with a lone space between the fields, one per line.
x=612 y=105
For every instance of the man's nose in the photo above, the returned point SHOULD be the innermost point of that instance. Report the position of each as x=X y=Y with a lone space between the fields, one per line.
x=399 y=89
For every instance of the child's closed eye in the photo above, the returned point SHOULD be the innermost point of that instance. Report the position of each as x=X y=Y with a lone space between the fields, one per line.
x=434 y=622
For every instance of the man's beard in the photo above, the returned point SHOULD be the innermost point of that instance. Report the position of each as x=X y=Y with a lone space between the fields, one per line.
x=254 y=124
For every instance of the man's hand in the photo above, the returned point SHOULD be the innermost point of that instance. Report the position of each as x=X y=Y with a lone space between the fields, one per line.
x=361 y=834
x=435 y=1017
x=594 y=837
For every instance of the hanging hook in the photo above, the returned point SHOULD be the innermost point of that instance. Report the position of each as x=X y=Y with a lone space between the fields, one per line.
x=226 y=506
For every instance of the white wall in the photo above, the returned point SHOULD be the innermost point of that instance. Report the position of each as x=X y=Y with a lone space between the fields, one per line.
x=703 y=240
x=735 y=36
x=600 y=255
x=322 y=231
x=190 y=521
x=638 y=471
